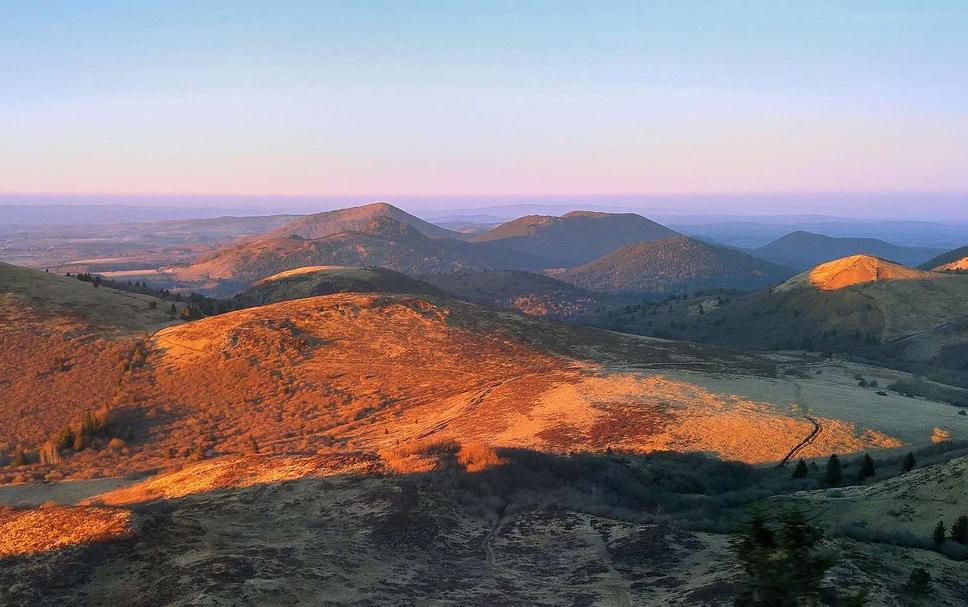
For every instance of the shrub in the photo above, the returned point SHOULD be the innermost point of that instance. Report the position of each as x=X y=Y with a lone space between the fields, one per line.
x=909 y=462
x=866 y=467
x=918 y=584
x=116 y=444
x=476 y=457
x=418 y=456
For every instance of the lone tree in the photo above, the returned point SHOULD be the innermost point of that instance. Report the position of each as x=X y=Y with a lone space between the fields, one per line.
x=939 y=533
x=908 y=463
x=959 y=531
x=801 y=470
x=835 y=471
x=866 y=467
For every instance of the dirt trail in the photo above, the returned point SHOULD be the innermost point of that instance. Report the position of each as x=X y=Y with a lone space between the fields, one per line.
x=615 y=582
x=487 y=545
x=810 y=438
x=946 y=325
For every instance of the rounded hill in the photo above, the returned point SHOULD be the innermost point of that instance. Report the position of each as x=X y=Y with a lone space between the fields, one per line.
x=310 y=281
x=673 y=266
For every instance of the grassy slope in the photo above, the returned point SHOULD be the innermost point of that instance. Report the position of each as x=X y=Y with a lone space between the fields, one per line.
x=63 y=347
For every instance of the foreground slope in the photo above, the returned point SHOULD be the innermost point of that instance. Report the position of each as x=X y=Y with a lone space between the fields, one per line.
x=374 y=370
x=672 y=266
x=369 y=371
x=399 y=449
x=517 y=528
x=64 y=349
x=805 y=249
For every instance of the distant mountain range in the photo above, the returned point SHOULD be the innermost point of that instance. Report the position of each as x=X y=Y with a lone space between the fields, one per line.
x=382 y=235
x=604 y=254
x=802 y=250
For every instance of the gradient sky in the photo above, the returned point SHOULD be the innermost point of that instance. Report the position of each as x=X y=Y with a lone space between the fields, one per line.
x=483 y=97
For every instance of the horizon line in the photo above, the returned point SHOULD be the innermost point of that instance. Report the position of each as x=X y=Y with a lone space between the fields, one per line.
x=378 y=196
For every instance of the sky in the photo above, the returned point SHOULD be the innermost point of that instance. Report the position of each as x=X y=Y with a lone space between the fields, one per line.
x=472 y=99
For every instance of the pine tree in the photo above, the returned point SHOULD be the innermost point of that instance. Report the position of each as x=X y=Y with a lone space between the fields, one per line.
x=959 y=531
x=866 y=467
x=939 y=533
x=801 y=470
x=908 y=463
x=835 y=471
x=782 y=561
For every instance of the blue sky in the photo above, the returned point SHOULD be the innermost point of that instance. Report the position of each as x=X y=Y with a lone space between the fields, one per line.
x=483 y=98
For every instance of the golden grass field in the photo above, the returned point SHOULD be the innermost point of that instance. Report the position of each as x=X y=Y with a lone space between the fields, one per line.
x=320 y=441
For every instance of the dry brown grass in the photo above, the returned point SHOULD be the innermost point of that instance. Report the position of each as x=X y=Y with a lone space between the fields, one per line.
x=418 y=455
x=475 y=457
x=347 y=373
x=54 y=527
x=237 y=471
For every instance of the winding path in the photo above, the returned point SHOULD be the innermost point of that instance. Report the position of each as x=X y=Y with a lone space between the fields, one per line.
x=806 y=441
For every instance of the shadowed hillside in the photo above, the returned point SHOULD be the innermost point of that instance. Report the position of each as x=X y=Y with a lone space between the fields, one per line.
x=952 y=261
x=371 y=236
x=382 y=242
x=804 y=249
x=469 y=526
x=673 y=266
x=311 y=281
x=859 y=305
x=532 y=294
x=574 y=238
